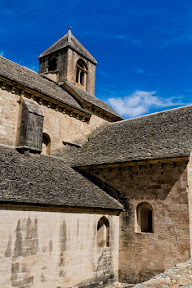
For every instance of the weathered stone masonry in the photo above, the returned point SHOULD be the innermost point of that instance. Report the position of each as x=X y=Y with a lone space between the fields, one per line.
x=164 y=186
x=54 y=248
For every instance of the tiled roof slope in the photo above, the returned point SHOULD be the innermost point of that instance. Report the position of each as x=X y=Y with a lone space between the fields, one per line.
x=69 y=40
x=47 y=180
x=159 y=135
x=36 y=82
x=91 y=98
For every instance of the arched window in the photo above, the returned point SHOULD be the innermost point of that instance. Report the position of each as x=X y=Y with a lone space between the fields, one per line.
x=46 y=144
x=144 y=221
x=81 y=73
x=103 y=232
x=52 y=64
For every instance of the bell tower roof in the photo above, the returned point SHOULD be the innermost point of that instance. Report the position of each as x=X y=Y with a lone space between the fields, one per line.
x=68 y=40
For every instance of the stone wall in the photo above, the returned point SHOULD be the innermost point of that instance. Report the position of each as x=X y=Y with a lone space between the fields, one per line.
x=164 y=187
x=60 y=127
x=9 y=112
x=52 y=248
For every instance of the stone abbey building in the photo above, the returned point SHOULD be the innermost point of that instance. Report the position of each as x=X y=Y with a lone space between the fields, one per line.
x=87 y=198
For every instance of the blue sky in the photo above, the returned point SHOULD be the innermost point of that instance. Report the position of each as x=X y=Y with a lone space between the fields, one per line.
x=143 y=48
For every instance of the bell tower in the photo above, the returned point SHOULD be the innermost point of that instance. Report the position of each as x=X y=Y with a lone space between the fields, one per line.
x=68 y=60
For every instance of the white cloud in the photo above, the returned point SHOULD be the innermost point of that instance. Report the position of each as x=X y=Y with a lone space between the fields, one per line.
x=140 y=102
x=2 y=53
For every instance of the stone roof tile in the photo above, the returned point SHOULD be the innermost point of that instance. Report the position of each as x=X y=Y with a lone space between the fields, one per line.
x=160 y=135
x=49 y=181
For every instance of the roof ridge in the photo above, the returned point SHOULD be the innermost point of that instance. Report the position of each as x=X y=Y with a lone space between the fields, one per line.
x=151 y=114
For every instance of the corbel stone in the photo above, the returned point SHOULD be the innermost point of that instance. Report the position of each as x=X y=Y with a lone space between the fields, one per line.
x=49 y=104
x=33 y=97
x=13 y=90
x=3 y=86
x=64 y=111
x=40 y=101
x=57 y=108
x=100 y=113
x=88 y=107
x=22 y=93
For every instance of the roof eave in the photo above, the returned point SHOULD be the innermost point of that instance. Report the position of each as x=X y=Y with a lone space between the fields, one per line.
x=138 y=162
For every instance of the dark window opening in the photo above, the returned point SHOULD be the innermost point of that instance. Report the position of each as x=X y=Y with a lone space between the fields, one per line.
x=77 y=76
x=82 y=78
x=150 y=221
x=46 y=144
x=52 y=64
x=81 y=64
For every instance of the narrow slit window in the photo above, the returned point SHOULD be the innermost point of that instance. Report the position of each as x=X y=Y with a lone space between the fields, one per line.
x=103 y=232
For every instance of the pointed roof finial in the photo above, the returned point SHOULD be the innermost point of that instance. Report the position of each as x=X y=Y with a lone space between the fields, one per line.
x=69 y=34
